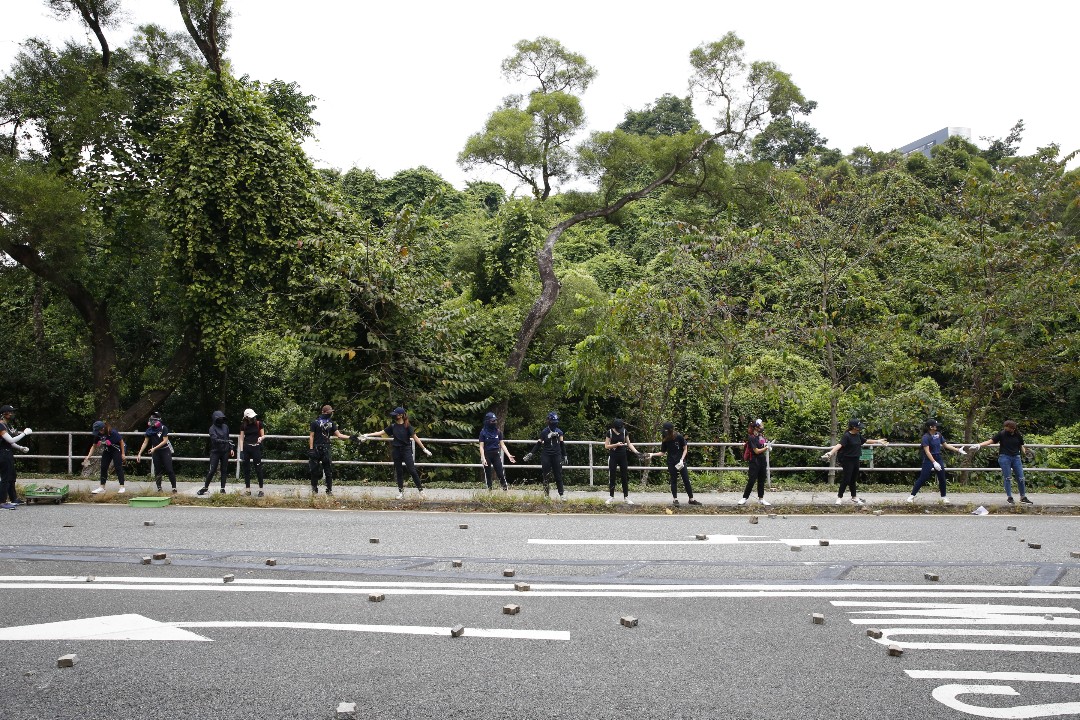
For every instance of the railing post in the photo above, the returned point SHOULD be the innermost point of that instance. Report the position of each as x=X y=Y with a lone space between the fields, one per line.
x=71 y=447
x=590 y=463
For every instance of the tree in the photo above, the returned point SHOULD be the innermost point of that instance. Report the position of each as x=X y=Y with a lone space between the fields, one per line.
x=668 y=115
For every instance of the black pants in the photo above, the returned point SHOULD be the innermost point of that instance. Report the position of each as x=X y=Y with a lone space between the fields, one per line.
x=551 y=462
x=494 y=467
x=163 y=466
x=111 y=457
x=403 y=460
x=7 y=476
x=318 y=465
x=673 y=477
x=849 y=476
x=252 y=456
x=756 y=472
x=618 y=461
x=219 y=462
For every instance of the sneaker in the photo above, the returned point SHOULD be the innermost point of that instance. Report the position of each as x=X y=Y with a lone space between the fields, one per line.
x=247 y=491
x=328 y=492
x=910 y=499
x=260 y=494
x=742 y=501
x=202 y=491
x=764 y=502
x=422 y=495
x=628 y=501
x=839 y=501
x=9 y=506
x=609 y=500
x=1010 y=500
x=174 y=490
x=857 y=501
x=18 y=502
x=946 y=501
x=400 y=495
x=505 y=487
x=675 y=502
x=158 y=486
x=314 y=491
x=122 y=490
x=98 y=490
x=692 y=501
x=562 y=497
x=1024 y=499
x=221 y=491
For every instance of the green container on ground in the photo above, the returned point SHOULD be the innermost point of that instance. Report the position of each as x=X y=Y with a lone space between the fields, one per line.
x=149 y=501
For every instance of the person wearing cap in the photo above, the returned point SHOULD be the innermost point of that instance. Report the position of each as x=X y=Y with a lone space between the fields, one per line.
x=323 y=431
x=675 y=446
x=754 y=451
x=250 y=447
x=112 y=453
x=161 y=451
x=848 y=452
x=932 y=461
x=9 y=441
x=221 y=449
x=1010 y=447
x=617 y=442
x=401 y=449
x=492 y=449
x=552 y=451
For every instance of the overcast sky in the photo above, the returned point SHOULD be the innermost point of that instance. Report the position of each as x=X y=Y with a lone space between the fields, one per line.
x=402 y=84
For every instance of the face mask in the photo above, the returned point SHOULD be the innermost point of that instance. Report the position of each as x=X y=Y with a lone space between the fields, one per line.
x=219 y=421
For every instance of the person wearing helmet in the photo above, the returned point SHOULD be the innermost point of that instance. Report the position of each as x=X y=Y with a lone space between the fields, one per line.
x=755 y=449
x=112 y=453
x=1010 y=447
x=552 y=454
x=492 y=449
x=250 y=446
x=848 y=452
x=322 y=432
x=617 y=442
x=401 y=449
x=9 y=441
x=161 y=451
x=674 y=445
x=932 y=461
x=221 y=449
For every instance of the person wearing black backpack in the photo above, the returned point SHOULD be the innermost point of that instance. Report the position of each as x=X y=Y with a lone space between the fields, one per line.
x=617 y=442
x=221 y=449
x=251 y=437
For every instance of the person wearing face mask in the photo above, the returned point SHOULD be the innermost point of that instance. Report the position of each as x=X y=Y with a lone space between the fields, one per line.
x=849 y=453
x=112 y=453
x=492 y=449
x=9 y=441
x=250 y=446
x=1010 y=447
x=552 y=454
x=932 y=461
x=674 y=445
x=161 y=451
x=221 y=449
x=617 y=442
x=754 y=453
x=401 y=449
x=323 y=430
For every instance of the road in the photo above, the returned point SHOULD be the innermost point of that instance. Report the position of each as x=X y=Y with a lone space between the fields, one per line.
x=724 y=624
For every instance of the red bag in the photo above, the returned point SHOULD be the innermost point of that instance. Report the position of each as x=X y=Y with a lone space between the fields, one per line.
x=747 y=453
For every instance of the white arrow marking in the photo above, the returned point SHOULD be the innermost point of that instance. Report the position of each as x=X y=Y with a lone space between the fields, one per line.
x=948 y=695
x=886 y=639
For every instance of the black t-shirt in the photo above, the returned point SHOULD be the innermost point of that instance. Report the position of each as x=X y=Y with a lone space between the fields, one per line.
x=851 y=445
x=1009 y=443
x=324 y=429
x=250 y=431
x=673 y=447
x=756 y=442
x=401 y=433
x=4 y=444
x=617 y=436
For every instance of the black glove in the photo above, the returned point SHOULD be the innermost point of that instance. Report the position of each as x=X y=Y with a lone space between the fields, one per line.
x=312 y=453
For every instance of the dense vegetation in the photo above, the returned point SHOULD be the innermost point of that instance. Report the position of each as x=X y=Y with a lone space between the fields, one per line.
x=166 y=244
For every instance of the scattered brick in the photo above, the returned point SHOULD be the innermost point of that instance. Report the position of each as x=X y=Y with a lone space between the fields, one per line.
x=148 y=523
x=376 y=597
x=457 y=631
x=159 y=556
x=628 y=621
x=463 y=526
x=67 y=660
x=931 y=576
x=876 y=634
x=373 y=541
x=1035 y=546
x=271 y=561
x=1011 y=527
x=813 y=527
x=796 y=548
x=228 y=578
x=346 y=711
x=511 y=609
x=819 y=619
x=824 y=543
x=701 y=536
x=508 y=572
x=895 y=651
x=1048 y=616
x=1075 y=554
x=146 y=560
x=456 y=563
x=753 y=519
x=522 y=587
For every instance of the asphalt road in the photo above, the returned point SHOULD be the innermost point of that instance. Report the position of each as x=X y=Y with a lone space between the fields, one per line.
x=724 y=624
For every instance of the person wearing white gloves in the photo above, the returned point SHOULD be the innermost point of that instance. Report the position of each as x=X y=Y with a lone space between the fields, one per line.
x=401 y=448
x=848 y=453
x=9 y=441
x=1010 y=447
x=674 y=445
x=932 y=462
x=754 y=453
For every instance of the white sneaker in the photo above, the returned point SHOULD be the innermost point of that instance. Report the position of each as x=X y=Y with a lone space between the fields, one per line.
x=628 y=501
x=122 y=490
x=946 y=501
x=562 y=497
x=400 y=495
x=742 y=501
x=97 y=491
x=839 y=501
x=911 y=499
x=764 y=502
x=609 y=500
x=857 y=501
x=422 y=495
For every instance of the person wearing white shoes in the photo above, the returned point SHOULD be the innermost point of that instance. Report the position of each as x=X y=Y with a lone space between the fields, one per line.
x=933 y=441
x=9 y=441
x=322 y=432
x=401 y=447
x=754 y=453
x=552 y=448
x=112 y=453
x=847 y=452
x=250 y=446
x=492 y=449
x=1010 y=447
x=161 y=450
x=674 y=445
x=617 y=443
x=221 y=449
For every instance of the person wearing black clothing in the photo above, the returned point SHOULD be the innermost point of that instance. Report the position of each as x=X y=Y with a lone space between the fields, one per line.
x=113 y=452
x=401 y=448
x=250 y=447
x=1010 y=447
x=756 y=447
x=492 y=449
x=157 y=438
x=323 y=430
x=674 y=445
x=848 y=452
x=221 y=449
x=9 y=441
x=552 y=454
x=617 y=442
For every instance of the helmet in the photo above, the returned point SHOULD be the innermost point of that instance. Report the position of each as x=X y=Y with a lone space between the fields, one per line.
x=855 y=423
x=491 y=418
x=397 y=411
x=98 y=426
x=553 y=416
x=249 y=413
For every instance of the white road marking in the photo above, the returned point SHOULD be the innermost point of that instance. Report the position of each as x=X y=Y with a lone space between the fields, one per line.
x=888 y=638
x=948 y=695
x=723 y=540
x=393 y=629
x=1003 y=676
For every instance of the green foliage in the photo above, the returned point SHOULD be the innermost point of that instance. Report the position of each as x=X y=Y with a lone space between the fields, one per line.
x=669 y=115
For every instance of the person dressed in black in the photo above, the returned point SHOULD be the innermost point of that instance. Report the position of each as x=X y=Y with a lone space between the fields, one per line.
x=754 y=453
x=401 y=448
x=552 y=454
x=848 y=452
x=112 y=453
x=674 y=445
x=492 y=449
x=221 y=449
x=323 y=430
x=251 y=447
x=161 y=450
x=9 y=441
x=1010 y=447
x=617 y=443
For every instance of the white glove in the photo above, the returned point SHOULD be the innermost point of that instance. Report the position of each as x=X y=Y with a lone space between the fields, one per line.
x=827 y=456
x=974 y=448
x=680 y=465
x=22 y=448
x=27 y=431
x=960 y=450
x=427 y=452
x=937 y=466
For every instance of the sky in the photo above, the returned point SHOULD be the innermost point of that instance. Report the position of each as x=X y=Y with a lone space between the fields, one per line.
x=404 y=84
